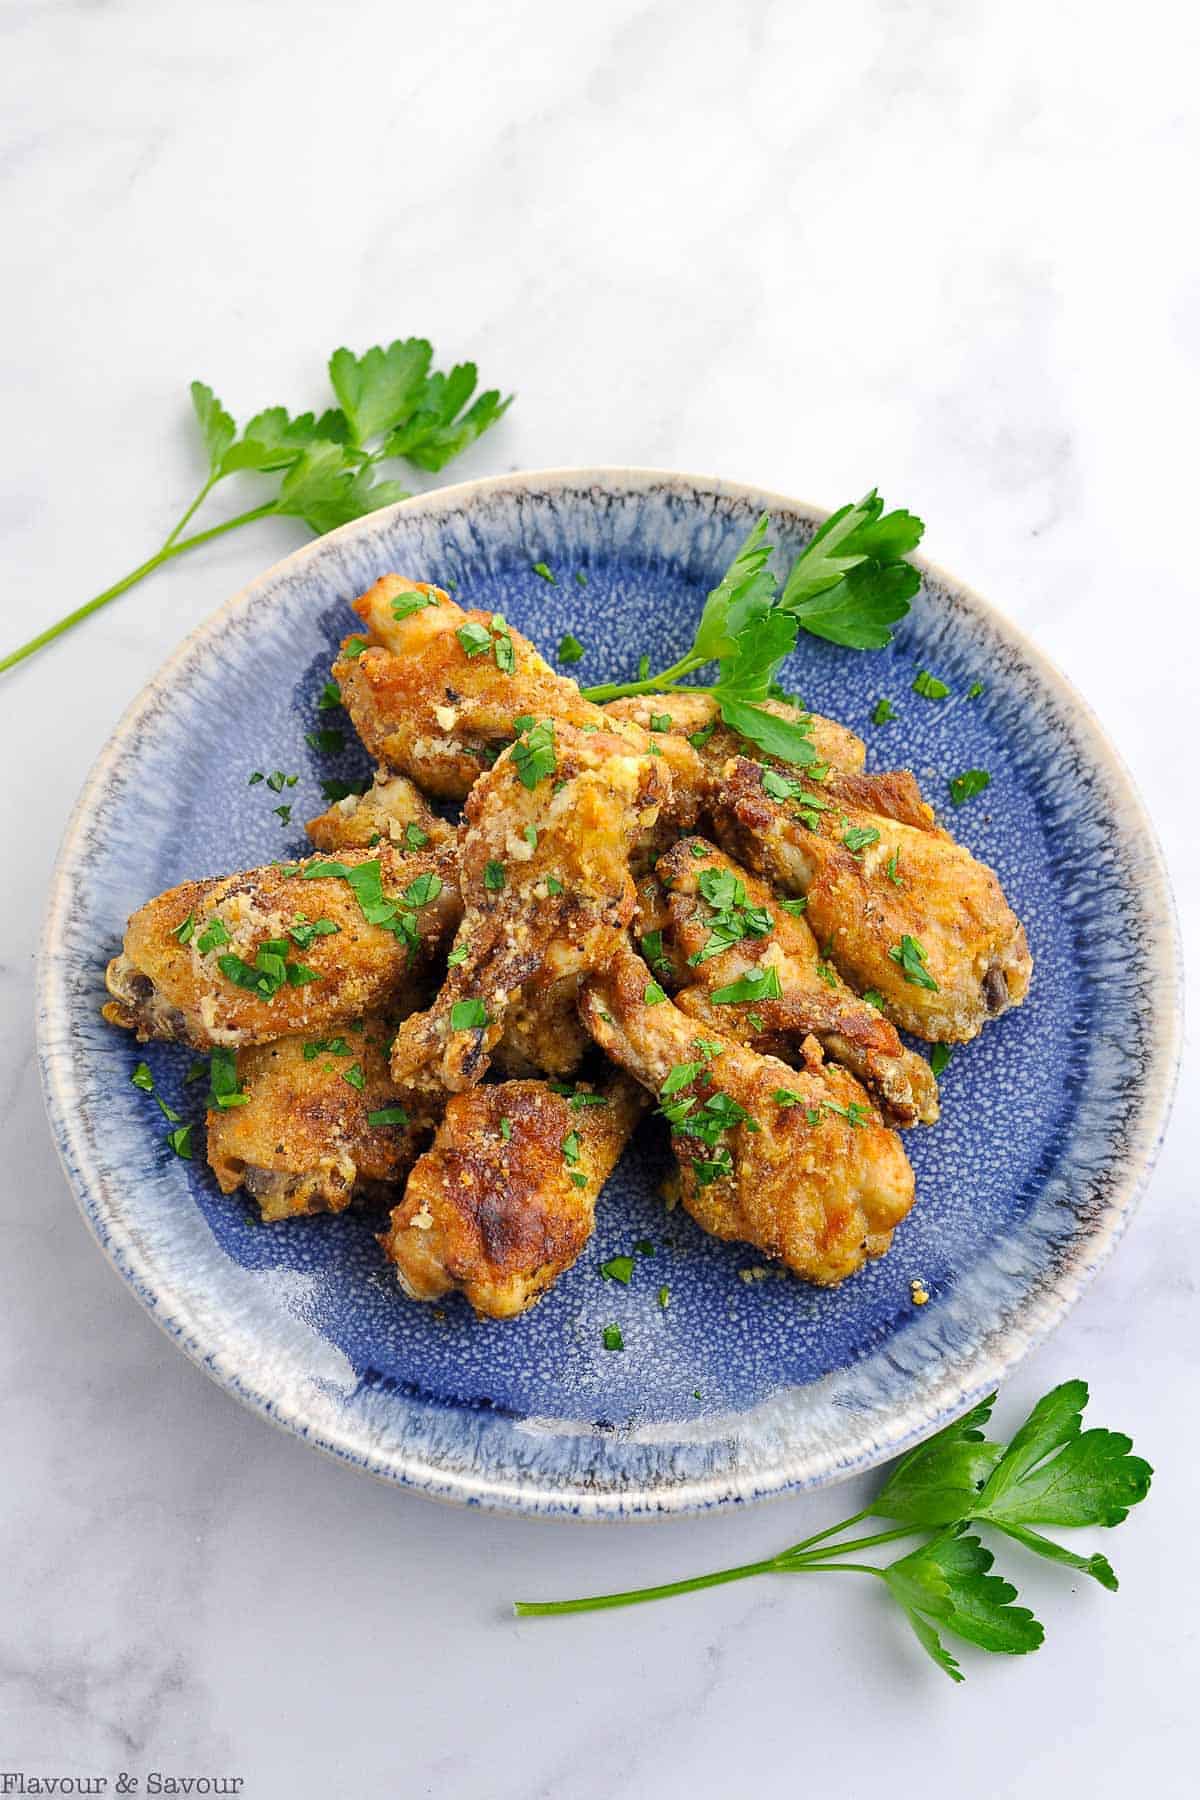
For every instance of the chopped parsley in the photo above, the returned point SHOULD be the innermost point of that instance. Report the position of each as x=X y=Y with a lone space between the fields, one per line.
x=326 y=742
x=874 y=998
x=335 y=1046
x=506 y=1130
x=939 y=1056
x=277 y=781
x=655 y=955
x=859 y=838
x=661 y=721
x=493 y=876
x=414 y=837
x=354 y=647
x=965 y=786
x=825 y=972
x=354 y=1077
x=256 y=777
x=571 y=1146
x=302 y=931
x=698 y=739
x=884 y=712
x=893 y=870
x=180 y=1141
x=783 y=787
x=334 y=788
x=405 y=605
x=546 y=572
x=570 y=650
x=612 y=1338
x=928 y=686
x=533 y=753
x=581 y=578
x=183 y=932
x=284 y=814
x=468 y=1015
x=756 y=984
x=795 y=907
x=554 y=886
x=142 y=1078
x=422 y=891
x=664 y=1297
x=459 y=954
x=785 y=1097
x=366 y=881
x=223 y=1089
x=474 y=638
x=329 y=697
x=912 y=958
x=213 y=935
x=653 y=995
x=502 y=645
x=974 y=691
x=679 y=1077
x=618 y=1268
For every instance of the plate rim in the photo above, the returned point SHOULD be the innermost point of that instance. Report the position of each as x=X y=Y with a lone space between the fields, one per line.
x=906 y=1424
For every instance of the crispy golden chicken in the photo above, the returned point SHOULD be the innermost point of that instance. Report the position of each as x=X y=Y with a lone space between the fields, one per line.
x=723 y=932
x=503 y=1200
x=697 y=717
x=437 y=693
x=321 y=1124
x=249 y=958
x=794 y=1161
x=898 y=907
x=391 y=811
x=544 y=871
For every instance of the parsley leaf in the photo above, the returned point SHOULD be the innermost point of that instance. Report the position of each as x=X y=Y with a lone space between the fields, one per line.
x=761 y=983
x=533 y=753
x=963 y=787
x=570 y=650
x=468 y=1015
x=911 y=957
x=928 y=686
x=947 y=1581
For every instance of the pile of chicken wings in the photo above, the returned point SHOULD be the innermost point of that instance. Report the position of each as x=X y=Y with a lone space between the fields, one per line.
x=467 y=1023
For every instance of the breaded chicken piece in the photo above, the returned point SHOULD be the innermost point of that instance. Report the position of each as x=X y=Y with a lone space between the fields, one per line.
x=796 y=1162
x=723 y=927
x=542 y=1032
x=248 y=958
x=322 y=1123
x=391 y=810
x=438 y=690
x=503 y=1201
x=544 y=870
x=697 y=717
x=895 y=903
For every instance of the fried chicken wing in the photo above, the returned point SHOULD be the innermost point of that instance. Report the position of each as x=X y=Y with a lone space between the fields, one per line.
x=436 y=693
x=794 y=1161
x=724 y=928
x=544 y=868
x=248 y=958
x=322 y=1123
x=697 y=717
x=392 y=810
x=897 y=905
x=503 y=1200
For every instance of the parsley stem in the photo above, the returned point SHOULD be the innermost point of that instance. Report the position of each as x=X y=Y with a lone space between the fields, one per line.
x=634 y=1596
x=194 y=508
x=819 y=1537
x=174 y=546
x=652 y=684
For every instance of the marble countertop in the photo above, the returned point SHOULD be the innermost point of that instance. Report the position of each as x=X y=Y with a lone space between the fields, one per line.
x=938 y=248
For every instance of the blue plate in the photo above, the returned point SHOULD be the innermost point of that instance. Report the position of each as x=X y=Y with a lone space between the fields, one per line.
x=745 y=1385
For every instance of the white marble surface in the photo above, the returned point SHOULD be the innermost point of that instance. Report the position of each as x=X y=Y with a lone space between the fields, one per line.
x=947 y=248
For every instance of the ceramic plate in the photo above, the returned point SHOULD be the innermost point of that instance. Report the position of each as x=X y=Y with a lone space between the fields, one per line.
x=744 y=1386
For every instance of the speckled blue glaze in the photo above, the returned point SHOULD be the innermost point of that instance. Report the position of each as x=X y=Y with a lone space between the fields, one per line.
x=739 y=1389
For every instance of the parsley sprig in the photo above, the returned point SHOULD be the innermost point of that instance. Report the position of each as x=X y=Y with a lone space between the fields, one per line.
x=391 y=403
x=850 y=584
x=1051 y=1473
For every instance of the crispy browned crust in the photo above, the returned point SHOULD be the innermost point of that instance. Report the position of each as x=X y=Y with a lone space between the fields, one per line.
x=561 y=850
x=392 y=810
x=164 y=989
x=303 y=1142
x=808 y=1187
x=813 y=1000
x=490 y=1210
x=941 y=896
